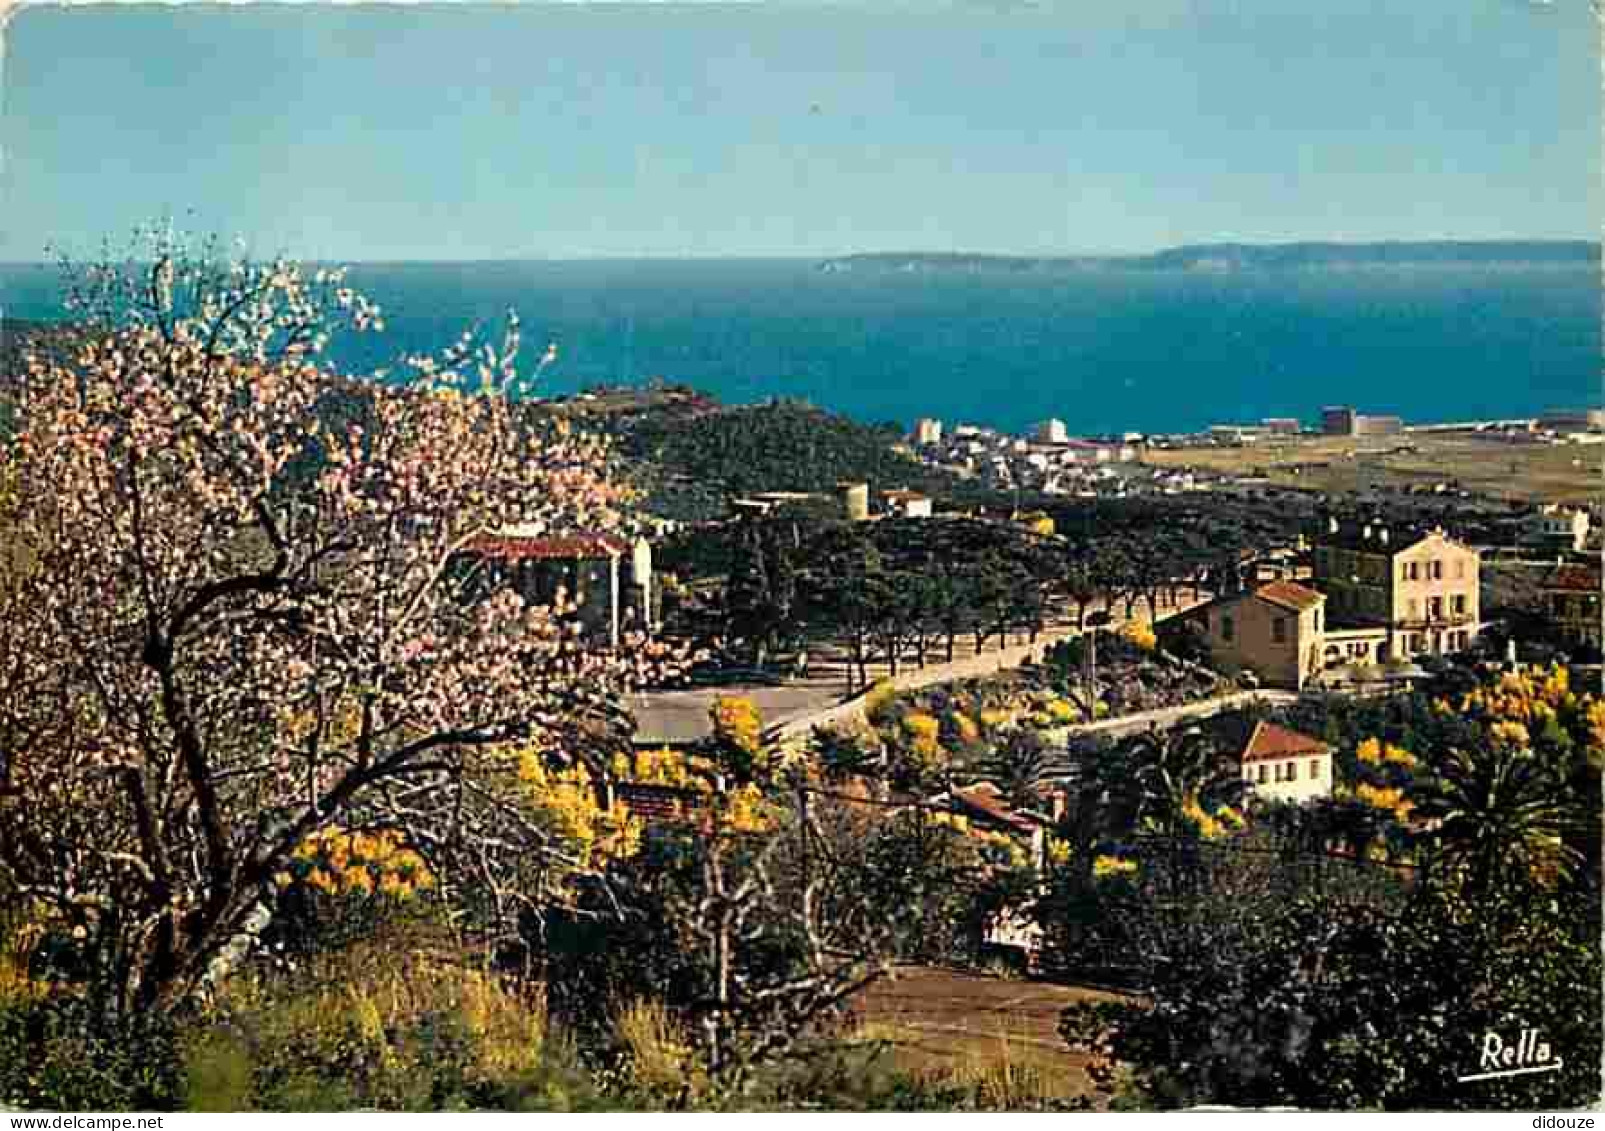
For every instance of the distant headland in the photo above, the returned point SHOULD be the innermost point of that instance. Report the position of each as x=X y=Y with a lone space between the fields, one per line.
x=1239 y=256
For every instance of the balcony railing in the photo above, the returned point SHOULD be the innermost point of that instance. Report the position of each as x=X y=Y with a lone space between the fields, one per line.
x=1442 y=620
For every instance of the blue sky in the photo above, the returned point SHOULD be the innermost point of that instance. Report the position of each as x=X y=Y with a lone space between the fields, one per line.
x=354 y=132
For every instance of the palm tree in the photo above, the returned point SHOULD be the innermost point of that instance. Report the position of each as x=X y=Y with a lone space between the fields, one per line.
x=1020 y=763
x=1176 y=770
x=1501 y=815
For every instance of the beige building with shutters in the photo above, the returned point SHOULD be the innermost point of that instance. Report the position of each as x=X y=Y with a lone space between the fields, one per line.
x=1275 y=631
x=1422 y=588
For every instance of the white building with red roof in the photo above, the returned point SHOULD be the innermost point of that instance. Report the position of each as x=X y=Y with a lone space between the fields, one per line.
x=1279 y=764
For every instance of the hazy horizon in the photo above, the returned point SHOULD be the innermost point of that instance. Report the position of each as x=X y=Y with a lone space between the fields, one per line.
x=1594 y=241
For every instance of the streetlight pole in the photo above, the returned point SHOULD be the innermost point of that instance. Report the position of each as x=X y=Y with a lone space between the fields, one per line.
x=1095 y=621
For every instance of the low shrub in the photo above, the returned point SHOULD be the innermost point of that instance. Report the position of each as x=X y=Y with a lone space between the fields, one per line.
x=60 y=1053
x=373 y=1026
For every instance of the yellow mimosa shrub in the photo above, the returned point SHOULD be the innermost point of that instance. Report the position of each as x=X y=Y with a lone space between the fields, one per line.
x=665 y=767
x=18 y=937
x=1141 y=634
x=878 y=699
x=336 y=861
x=1389 y=799
x=922 y=729
x=736 y=720
x=965 y=730
x=1537 y=701
x=1058 y=852
x=738 y=743
x=922 y=741
x=994 y=717
x=1510 y=733
x=1039 y=523
x=568 y=800
x=745 y=810
x=1375 y=752
x=1594 y=716
x=1208 y=825
x=1063 y=711
x=1398 y=756
x=1105 y=866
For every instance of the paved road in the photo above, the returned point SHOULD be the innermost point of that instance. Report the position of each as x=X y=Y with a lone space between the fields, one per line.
x=681 y=716
x=678 y=717
x=1167 y=716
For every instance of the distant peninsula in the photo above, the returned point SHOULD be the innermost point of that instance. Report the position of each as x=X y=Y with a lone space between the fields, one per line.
x=1222 y=257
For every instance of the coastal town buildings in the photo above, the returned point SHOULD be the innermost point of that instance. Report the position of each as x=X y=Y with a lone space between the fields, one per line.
x=1337 y=420
x=1362 y=597
x=1570 y=593
x=1556 y=527
x=1341 y=420
x=927 y=432
x=1572 y=420
x=1419 y=590
x=1048 y=461
x=1050 y=432
x=1233 y=434
x=906 y=504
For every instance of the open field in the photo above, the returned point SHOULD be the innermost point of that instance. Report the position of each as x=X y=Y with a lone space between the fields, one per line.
x=950 y=1025
x=1478 y=463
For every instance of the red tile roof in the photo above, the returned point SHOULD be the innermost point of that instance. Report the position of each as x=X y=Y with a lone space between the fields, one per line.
x=1270 y=742
x=986 y=801
x=662 y=804
x=1573 y=578
x=1290 y=595
x=517 y=547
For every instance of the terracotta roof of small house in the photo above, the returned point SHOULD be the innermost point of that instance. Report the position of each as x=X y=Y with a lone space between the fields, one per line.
x=1290 y=595
x=986 y=801
x=1270 y=742
x=1573 y=578
x=662 y=804
x=567 y=546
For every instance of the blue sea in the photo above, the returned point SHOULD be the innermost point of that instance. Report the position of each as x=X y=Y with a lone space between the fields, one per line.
x=1108 y=350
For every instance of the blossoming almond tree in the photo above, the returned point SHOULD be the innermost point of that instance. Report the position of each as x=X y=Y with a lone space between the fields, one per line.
x=230 y=626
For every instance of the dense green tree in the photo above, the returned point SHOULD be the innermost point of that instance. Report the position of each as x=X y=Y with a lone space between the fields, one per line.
x=1330 y=1005
x=1500 y=815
